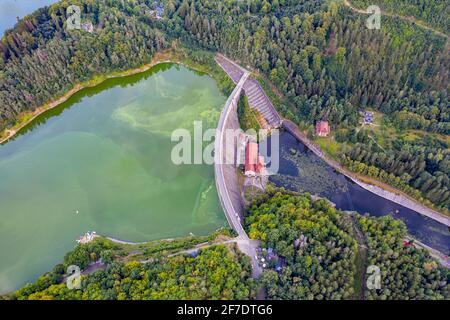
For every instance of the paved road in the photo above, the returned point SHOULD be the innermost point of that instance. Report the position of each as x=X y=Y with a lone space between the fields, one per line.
x=226 y=175
x=233 y=214
x=225 y=182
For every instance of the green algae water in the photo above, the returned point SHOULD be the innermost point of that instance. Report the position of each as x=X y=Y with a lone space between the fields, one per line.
x=101 y=162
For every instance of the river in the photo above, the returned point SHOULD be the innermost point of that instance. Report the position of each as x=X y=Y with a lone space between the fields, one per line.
x=303 y=171
x=102 y=161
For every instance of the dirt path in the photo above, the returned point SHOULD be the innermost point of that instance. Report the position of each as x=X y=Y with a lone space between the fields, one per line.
x=411 y=19
x=360 y=261
x=203 y=245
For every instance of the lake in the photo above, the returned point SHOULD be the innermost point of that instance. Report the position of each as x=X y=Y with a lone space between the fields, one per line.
x=11 y=9
x=101 y=161
x=303 y=171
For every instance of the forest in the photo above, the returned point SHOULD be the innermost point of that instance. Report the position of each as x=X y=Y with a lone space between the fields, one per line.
x=313 y=252
x=407 y=273
x=421 y=167
x=215 y=273
x=41 y=59
x=433 y=13
x=319 y=54
x=313 y=247
x=329 y=66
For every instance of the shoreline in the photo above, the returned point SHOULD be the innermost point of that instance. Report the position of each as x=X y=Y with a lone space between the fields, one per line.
x=370 y=184
x=11 y=132
x=159 y=58
x=443 y=259
x=388 y=192
x=136 y=243
x=397 y=196
x=403 y=201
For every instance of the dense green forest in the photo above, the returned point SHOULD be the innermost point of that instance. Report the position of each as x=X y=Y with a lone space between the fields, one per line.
x=407 y=273
x=318 y=249
x=42 y=59
x=330 y=66
x=310 y=249
x=420 y=167
x=313 y=240
x=319 y=54
x=217 y=272
x=434 y=13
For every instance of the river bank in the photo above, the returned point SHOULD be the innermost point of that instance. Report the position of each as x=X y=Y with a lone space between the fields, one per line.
x=28 y=117
x=404 y=201
x=378 y=188
x=143 y=251
x=99 y=155
x=443 y=259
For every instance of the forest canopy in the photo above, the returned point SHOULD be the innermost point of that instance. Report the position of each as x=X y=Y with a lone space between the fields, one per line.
x=319 y=54
x=434 y=13
x=313 y=252
x=215 y=273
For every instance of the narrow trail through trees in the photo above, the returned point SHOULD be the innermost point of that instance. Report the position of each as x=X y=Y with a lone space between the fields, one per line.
x=360 y=261
x=411 y=19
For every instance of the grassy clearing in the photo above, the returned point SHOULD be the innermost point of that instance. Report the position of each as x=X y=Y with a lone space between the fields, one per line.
x=330 y=146
x=247 y=117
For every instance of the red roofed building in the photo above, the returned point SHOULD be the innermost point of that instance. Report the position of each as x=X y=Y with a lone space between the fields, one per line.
x=254 y=163
x=322 y=128
x=407 y=243
x=251 y=158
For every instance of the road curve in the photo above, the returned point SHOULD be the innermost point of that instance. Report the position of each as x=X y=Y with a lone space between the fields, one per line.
x=233 y=214
x=226 y=174
x=230 y=206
